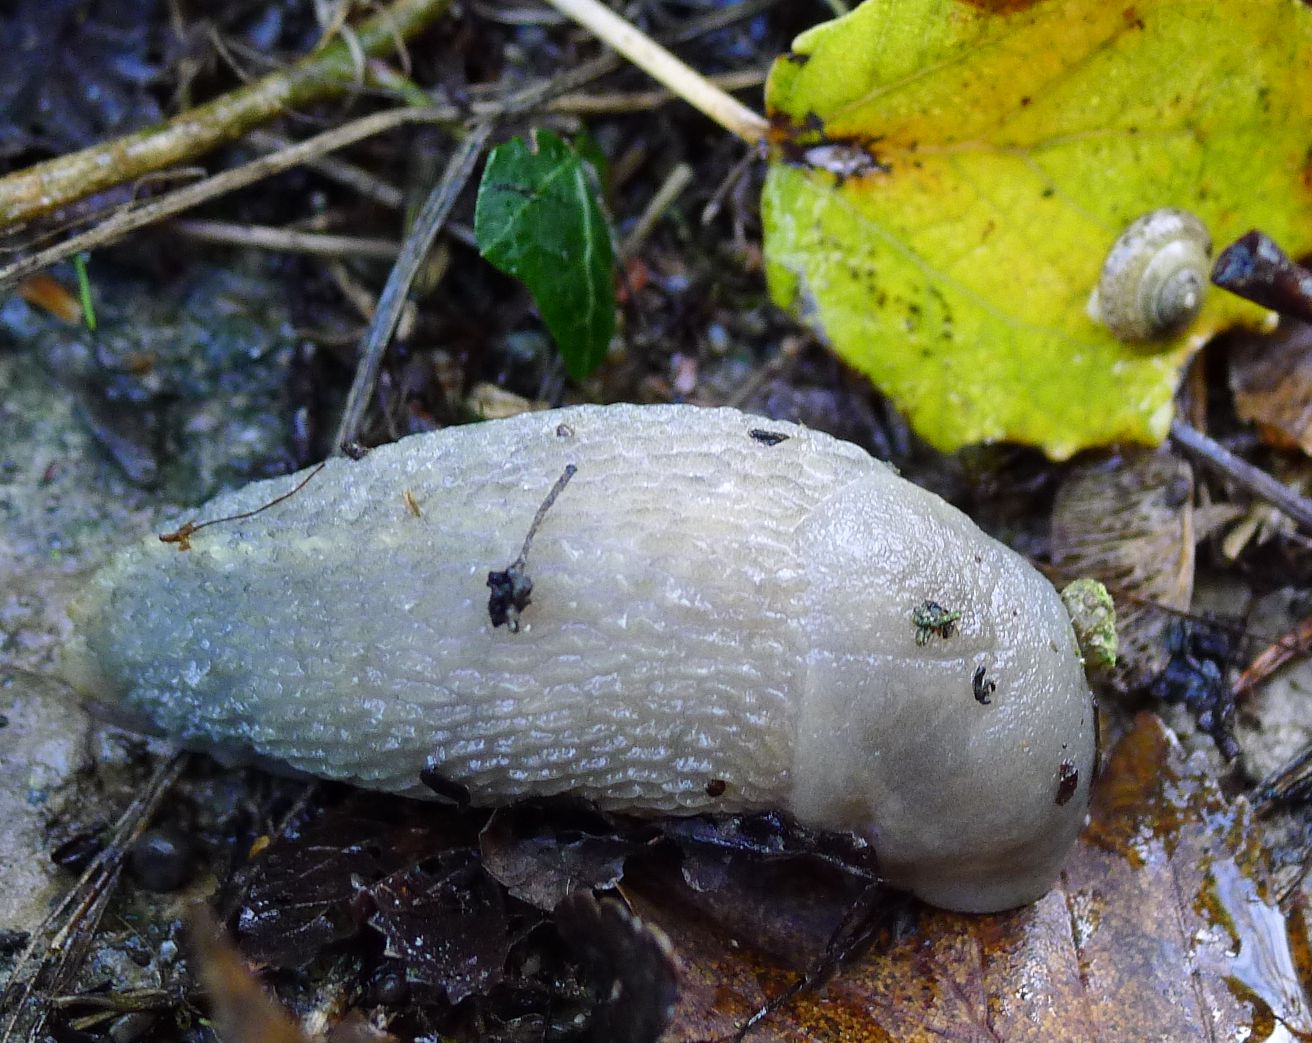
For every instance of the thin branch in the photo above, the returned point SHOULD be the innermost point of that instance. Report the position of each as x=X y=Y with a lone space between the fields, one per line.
x=1282 y=650
x=181 y=536
x=343 y=172
x=287 y=240
x=55 y=952
x=57 y=182
x=431 y=217
x=1255 y=480
x=679 y=178
x=313 y=150
x=181 y=199
x=1255 y=268
x=642 y=101
x=666 y=69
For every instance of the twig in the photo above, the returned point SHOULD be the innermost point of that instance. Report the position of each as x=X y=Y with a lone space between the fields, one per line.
x=641 y=101
x=671 y=188
x=56 y=950
x=288 y=240
x=339 y=170
x=1255 y=268
x=181 y=199
x=511 y=587
x=47 y=186
x=666 y=69
x=1255 y=480
x=314 y=150
x=427 y=224
x=183 y=533
x=731 y=180
x=1279 y=652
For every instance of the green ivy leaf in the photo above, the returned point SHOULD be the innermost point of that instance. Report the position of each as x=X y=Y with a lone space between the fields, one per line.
x=538 y=220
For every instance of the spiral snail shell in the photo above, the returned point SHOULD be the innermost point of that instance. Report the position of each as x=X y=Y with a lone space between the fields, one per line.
x=1154 y=277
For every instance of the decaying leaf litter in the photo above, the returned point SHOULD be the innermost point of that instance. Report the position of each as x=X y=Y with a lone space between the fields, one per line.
x=115 y=431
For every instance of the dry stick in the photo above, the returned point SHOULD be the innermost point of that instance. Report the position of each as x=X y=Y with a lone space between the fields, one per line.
x=313 y=149
x=181 y=536
x=1282 y=650
x=511 y=587
x=671 y=188
x=666 y=69
x=57 y=947
x=1255 y=480
x=427 y=224
x=57 y=182
x=345 y=173
x=642 y=101
x=288 y=240
x=1255 y=268
x=181 y=199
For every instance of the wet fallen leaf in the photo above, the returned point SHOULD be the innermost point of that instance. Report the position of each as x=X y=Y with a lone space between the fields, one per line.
x=296 y=897
x=540 y=861
x=446 y=921
x=948 y=176
x=48 y=293
x=629 y=962
x=1162 y=927
x=1271 y=379
x=243 y=1012
x=1129 y=523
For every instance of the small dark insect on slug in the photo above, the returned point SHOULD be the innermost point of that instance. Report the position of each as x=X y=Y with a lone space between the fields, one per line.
x=1068 y=778
x=932 y=619
x=701 y=609
x=981 y=687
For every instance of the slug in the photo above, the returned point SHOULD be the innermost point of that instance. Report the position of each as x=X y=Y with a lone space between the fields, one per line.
x=1154 y=277
x=726 y=614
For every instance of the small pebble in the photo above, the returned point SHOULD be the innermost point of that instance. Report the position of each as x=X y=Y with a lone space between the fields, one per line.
x=161 y=860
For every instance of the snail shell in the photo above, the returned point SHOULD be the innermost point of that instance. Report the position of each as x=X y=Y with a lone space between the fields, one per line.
x=1154 y=278
x=725 y=616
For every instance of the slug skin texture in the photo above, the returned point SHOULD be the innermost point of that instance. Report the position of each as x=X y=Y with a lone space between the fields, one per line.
x=710 y=603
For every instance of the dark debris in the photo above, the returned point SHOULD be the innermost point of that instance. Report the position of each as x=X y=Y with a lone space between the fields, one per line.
x=445 y=921
x=631 y=966
x=1197 y=676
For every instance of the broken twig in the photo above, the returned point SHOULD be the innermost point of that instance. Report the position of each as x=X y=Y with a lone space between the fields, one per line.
x=511 y=587
x=55 y=952
x=1254 y=479
x=666 y=69
x=45 y=187
x=1255 y=268
x=431 y=217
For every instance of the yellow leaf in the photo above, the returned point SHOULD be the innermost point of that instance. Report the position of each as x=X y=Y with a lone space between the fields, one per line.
x=948 y=177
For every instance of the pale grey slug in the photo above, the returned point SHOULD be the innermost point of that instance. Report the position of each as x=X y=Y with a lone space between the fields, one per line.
x=727 y=613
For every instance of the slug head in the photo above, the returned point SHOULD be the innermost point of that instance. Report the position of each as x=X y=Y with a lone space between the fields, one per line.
x=970 y=803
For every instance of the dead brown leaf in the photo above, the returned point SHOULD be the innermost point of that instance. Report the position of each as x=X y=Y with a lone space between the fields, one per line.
x=242 y=1011
x=1271 y=378
x=1129 y=522
x=1162 y=928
